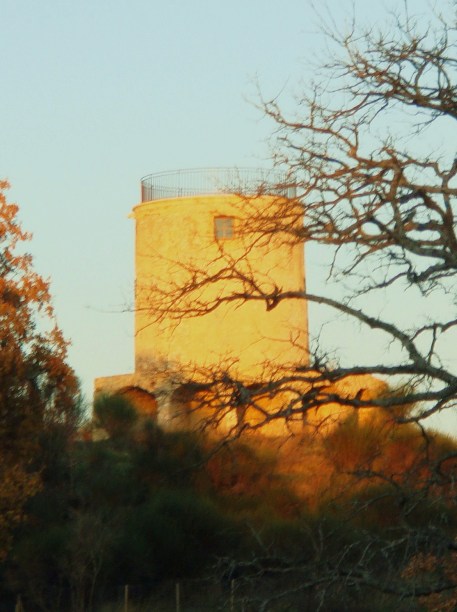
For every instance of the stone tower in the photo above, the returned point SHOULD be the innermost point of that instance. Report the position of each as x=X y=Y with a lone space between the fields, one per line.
x=204 y=222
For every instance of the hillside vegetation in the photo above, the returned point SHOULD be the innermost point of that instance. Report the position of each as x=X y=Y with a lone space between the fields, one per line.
x=368 y=505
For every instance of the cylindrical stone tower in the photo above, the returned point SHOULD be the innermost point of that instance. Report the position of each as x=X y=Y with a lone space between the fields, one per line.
x=211 y=245
x=194 y=229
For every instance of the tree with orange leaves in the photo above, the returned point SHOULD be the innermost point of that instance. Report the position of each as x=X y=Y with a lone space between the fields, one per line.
x=38 y=389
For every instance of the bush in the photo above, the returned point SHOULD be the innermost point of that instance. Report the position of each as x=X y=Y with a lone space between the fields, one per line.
x=176 y=533
x=115 y=414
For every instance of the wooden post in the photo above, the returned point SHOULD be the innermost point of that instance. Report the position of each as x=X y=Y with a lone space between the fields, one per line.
x=232 y=596
x=18 y=607
x=126 y=598
x=178 y=597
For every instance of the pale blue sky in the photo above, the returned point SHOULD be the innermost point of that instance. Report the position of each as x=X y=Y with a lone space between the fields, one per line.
x=98 y=93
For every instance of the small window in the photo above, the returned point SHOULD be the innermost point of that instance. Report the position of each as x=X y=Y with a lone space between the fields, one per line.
x=223 y=228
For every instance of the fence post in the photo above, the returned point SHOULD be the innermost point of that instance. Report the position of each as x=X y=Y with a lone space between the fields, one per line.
x=126 y=598
x=18 y=607
x=178 y=597
x=232 y=596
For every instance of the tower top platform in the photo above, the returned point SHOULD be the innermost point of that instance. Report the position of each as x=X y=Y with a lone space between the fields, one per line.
x=206 y=181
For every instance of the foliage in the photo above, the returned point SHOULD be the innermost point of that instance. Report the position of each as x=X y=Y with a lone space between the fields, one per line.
x=112 y=514
x=115 y=415
x=38 y=389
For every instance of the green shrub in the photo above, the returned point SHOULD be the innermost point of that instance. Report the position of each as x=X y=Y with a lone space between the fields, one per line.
x=115 y=414
x=176 y=533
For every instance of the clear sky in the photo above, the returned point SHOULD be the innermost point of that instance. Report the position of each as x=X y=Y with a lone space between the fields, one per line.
x=98 y=93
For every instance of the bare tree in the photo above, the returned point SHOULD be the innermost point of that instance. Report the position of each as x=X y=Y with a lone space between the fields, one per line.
x=373 y=188
x=377 y=187
x=370 y=154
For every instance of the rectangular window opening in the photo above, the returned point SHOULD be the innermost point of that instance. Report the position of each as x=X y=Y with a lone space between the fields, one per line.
x=223 y=228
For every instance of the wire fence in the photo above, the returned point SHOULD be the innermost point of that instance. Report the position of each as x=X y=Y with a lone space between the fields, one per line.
x=185 y=596
x=211 y=594
x=178 y=596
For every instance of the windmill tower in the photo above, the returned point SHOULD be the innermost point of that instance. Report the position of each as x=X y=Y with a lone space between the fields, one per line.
x=193 y=226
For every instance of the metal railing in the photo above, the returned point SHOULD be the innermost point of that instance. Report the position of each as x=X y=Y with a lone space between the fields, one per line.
x=205 y=181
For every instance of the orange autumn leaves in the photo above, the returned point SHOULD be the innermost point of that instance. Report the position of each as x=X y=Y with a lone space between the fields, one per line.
x=38 y=389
